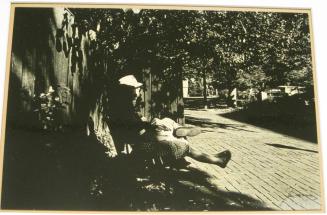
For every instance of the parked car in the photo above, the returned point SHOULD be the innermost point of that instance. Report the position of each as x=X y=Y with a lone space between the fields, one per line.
x=275 y=94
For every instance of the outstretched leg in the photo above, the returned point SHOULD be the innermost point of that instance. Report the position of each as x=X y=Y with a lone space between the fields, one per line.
x=221 y=159
x=184 y=131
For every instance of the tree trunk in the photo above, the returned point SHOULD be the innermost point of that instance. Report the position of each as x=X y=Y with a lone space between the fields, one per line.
x=205 y=100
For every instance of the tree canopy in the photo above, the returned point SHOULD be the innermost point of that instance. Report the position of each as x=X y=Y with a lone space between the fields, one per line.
x=236 y=48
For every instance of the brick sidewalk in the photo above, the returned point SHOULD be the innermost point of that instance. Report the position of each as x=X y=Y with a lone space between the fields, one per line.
x=281 y=171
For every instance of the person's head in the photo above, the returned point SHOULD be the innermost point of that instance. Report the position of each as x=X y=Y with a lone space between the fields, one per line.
x=130 y=87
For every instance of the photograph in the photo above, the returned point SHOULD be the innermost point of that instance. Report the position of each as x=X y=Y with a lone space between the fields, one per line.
x=122 y=107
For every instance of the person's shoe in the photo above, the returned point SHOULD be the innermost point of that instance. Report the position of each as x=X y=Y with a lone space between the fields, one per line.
x=225 y=156
x=187 y=131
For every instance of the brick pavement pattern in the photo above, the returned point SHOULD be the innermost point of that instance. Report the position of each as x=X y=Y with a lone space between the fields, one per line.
x=281 y=178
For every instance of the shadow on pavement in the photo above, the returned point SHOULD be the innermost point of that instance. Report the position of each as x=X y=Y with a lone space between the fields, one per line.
x=288 y=116
x=71 y=172
x=175 y=190
x=192 y=186
x=207 y=123
x=290 y=147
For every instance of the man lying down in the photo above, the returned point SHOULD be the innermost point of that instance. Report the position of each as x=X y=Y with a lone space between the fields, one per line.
x=168 y=137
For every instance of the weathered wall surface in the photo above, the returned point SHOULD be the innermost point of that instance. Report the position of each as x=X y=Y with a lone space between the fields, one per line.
x=49 y=50
x=38 y=61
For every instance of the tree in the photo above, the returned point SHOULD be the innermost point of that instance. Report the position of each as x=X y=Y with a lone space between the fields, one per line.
x=238 y=49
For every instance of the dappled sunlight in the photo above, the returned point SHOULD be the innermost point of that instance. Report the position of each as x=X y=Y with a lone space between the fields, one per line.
x=89 y=87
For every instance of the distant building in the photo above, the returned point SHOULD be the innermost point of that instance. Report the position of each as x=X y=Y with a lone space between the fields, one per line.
x=291 y=90
x=283 y=90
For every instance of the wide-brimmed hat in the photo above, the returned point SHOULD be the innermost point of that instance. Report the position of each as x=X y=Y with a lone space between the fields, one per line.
x=130 y=80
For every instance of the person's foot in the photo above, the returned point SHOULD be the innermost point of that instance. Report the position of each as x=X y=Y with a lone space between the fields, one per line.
x=224 y=158
x=187 y=131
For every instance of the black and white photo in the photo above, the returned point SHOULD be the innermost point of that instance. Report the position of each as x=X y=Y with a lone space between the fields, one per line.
x=160 y=108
